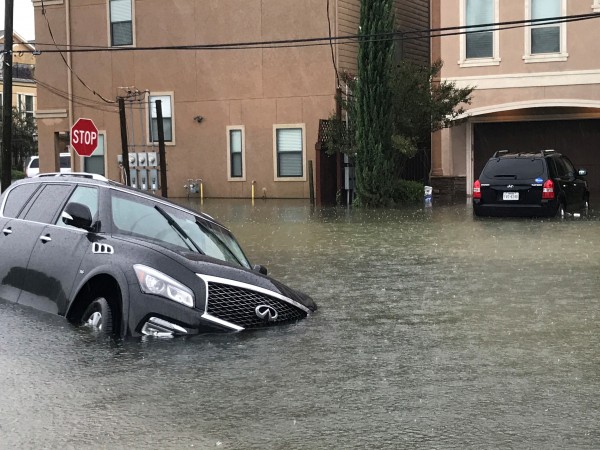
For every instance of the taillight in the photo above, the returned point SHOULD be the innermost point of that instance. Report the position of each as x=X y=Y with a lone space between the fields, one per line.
x=548 y=190
x=477 y=189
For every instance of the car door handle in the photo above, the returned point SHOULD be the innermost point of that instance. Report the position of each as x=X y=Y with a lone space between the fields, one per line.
x=7 y=231
x=45 y=238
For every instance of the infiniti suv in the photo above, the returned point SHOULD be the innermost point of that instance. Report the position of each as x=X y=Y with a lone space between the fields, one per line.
x=127 y=263
x=530 y=184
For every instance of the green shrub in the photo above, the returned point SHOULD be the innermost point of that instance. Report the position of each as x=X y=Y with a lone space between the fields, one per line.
x=408 y=192
x=17 y=174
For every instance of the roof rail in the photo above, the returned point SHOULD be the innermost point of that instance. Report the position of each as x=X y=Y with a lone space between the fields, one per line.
x=91 y=176
x=547 y=151
x=499 y=152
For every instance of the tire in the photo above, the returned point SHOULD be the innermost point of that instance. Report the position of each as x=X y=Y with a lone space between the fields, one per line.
x=560 y=211
x=98 y=315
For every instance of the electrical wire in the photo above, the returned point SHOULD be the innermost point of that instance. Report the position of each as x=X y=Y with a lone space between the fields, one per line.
x=65 y=61
x=337 y=75
x=330 y=40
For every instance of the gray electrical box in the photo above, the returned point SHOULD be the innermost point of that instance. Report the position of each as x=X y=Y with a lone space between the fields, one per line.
x=143 y=180
x=142 y=158
x=133 y=161
x=154 y=185
x=133 y=179
x=152 y=159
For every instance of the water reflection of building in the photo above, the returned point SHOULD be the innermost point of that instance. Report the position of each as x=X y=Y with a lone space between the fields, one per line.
x=537 y=87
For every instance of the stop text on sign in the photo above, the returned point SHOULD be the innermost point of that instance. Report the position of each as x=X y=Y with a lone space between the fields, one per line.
x=84 y=137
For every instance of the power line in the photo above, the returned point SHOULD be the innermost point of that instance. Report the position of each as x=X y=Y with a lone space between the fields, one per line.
x=65 y=61
x=329 y=40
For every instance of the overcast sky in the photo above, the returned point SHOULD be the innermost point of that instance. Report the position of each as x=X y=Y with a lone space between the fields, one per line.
x=23 y=18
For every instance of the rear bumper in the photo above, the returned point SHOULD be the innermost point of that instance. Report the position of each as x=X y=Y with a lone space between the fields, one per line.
x=547 y=208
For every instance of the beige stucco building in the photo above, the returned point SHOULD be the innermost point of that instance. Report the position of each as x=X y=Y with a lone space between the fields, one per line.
x=24 y=96
x=536 y=87
x=231 y=116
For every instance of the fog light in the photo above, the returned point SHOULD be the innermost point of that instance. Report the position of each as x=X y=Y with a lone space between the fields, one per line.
x=162 y=328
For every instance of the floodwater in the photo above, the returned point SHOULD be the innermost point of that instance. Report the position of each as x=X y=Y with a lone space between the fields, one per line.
x=435 y=330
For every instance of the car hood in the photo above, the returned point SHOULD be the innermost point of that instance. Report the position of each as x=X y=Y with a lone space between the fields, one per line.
x=206 y=265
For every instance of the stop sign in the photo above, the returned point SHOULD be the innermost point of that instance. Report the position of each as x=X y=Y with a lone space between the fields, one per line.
x=84 y=137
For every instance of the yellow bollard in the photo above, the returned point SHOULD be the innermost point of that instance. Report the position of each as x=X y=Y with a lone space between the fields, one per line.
x=253 y=183
x=201 y=192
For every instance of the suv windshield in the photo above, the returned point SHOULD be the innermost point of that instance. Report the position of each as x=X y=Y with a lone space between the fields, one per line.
x=143 y=218
x=514 y=168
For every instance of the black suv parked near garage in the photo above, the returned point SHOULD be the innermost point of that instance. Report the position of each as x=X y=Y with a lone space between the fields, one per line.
x=129 y=263
x=530 y=184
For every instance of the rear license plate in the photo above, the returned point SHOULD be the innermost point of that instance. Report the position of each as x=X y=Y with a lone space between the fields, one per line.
x=510 y=196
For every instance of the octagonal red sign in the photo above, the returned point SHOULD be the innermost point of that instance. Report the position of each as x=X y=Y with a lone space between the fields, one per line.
x=84 y=137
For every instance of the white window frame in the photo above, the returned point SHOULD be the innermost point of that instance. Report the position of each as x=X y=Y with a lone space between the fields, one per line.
x=231 y=128
x=495 y=59
x=109 y=28
x=596 y=6
x=284 y=126
x=149 y=141
x=22 y=104
x=82 y=158
x=562 y=55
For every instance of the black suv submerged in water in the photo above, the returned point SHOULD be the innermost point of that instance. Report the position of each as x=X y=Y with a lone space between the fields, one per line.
x=530 y=184
x=127 y=263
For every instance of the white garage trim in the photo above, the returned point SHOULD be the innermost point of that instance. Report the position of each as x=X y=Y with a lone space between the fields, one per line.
x=550 y=103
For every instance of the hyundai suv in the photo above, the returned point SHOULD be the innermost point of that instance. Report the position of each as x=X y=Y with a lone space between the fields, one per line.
x=127 y=263
x=530 y=184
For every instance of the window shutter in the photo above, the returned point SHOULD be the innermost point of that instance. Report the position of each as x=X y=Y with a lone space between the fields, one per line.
x=545 y=38
x=480 y=44
x=289 y=152
x=120 y=11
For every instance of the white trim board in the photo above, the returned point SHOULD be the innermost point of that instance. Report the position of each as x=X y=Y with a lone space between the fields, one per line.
x=523 y=80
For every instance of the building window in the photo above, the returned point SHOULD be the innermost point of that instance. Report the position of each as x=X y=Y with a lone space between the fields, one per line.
x=236 y=163
x=596 y=6
x=167 y=113
x=545 y=41
x=289 y=152
x=95 y=162
x=480 y=45
x=25 y=104
x=121 y=23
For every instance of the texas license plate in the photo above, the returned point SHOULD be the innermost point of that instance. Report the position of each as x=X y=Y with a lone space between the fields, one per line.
x=510 y=196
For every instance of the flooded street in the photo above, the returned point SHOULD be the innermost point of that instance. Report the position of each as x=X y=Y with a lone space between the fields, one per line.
x=434 y=330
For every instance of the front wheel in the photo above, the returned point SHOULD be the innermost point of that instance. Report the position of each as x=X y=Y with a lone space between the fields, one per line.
x=98 y=316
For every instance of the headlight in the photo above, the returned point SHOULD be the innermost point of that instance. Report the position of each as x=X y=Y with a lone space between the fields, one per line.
x=157 y=283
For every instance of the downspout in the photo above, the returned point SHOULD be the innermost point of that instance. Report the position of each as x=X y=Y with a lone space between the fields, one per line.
x=69 y=74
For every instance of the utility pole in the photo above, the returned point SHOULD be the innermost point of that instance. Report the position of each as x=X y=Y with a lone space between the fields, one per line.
x=161 y=149
x=124 y=146
x=6 y=159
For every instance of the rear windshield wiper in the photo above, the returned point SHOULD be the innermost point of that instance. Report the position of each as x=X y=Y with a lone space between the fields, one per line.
x=180 y=231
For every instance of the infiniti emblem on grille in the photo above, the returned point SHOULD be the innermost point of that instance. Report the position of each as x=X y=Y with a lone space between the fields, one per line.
x=266 y=312
x=510 y=186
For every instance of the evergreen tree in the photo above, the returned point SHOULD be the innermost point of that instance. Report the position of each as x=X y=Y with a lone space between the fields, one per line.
x=375 y=158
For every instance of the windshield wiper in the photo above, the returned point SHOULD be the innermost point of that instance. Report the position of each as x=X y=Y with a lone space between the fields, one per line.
x=180 y=231
x=221 y=242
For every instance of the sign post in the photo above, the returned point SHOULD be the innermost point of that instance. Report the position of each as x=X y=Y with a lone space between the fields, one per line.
x=84 y=137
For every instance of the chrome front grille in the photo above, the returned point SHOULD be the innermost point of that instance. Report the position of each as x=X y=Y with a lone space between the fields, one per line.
x=237 y=304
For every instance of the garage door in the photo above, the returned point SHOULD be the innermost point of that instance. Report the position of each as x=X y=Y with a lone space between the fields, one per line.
x=578 y=139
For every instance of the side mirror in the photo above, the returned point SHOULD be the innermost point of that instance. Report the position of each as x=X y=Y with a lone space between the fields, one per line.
x=78 y=216
x=582 y=172
x=260 y=269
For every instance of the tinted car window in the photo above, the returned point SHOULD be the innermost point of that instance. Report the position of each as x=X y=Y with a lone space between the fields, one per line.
x=569 y=167
x=48 y=202
x=561 y=168
x=514 y=168
x=65 y=162
x=35 y=163
x=17 y=198
x=87 y=196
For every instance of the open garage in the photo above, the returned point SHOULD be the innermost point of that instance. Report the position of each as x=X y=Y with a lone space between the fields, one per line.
x=578 y=139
